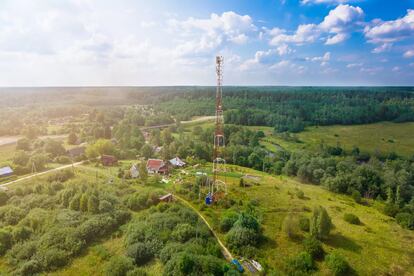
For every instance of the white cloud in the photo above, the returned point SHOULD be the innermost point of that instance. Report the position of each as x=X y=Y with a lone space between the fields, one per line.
x=340 y=22
x=409 y=54
x=306 y=33
x=353 y=65
x=283 y=50
x=205 y=35
x=391 y=31
x=396 y=69
x=322 y=59
x=382 y=48
x=305 y=2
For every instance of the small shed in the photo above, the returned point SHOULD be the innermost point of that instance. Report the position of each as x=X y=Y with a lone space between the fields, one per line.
x=157 y=166
x=134 y=171
x=6 y=171
x=177 y=162
x=166 y=198
x=109 y=160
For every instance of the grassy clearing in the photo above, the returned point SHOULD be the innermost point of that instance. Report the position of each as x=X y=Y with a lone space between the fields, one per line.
x=6 y=154
x=382 y=137
x=375 y=247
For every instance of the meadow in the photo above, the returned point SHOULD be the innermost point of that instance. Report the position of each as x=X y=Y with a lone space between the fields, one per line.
x=376 y=247
x=384 y=137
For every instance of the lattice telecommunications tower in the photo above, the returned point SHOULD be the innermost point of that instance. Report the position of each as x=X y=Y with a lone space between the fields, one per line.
x=217 y=188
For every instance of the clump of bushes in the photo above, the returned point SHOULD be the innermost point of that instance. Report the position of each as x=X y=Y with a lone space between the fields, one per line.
x=321 y=223
x=290 y=227
x=406 y=220
x=300 y=194
x=356 y=196
x=61 y=176
x=300 y=264
x=313 y=246
x=304 y=224
x=352 y=219
x=337 y=263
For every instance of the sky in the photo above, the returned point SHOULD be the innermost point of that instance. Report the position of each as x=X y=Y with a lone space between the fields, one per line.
x=174 y=42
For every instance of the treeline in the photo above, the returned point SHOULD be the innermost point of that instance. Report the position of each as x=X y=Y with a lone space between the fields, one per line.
x=291 y=109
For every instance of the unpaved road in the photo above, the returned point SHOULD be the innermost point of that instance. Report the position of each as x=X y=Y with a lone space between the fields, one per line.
x=42 y=173
x=224 y=249
x=7 y=140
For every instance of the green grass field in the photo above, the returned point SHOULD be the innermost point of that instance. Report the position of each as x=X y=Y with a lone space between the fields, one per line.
x=382 y=137
x=376 y=247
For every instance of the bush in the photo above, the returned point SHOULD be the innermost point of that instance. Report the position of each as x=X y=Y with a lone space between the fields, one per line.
x=118 y=266
x=137 y=272
x=302 y=263
x=356 y=196
x=290 y=226
x=183 y=232
x=352 y=219
x=61 y=176
x=304 y=224
x=320 y=223
x=227 y=222
x=406 y=220
x=5 y=241
x=300 y=194
x=238 y=237
x=3 y=198
x=140 y=253
x=337 y=264
x=391 y=209
x=313 y=247
x=63 y=159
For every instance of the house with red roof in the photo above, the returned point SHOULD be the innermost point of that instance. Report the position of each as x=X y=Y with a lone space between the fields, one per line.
x=157 y=166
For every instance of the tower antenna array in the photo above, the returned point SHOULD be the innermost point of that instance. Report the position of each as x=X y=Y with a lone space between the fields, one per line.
x=218 y=187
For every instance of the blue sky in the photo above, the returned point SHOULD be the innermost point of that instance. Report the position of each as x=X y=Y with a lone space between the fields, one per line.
x=160 y=42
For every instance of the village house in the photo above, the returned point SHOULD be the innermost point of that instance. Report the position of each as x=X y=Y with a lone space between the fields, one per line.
x=177 y=162
x=6 y=171
x=157 y=166
x=109 y=160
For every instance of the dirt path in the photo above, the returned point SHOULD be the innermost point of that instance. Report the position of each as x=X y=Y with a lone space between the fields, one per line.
x=7 y=140
x=224 y=249
x=41 y=173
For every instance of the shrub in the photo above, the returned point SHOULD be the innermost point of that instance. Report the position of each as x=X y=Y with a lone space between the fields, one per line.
x=51 y=258
x=140 y=253
x=304 y=224
x=63 y=159
x=290 y=226
x=313 y=247
x=356 y=196
x=300 y=194
x=169 y=250
x=118 y=266
x=302 y=263
x=391 y=209
x=137 y=272
x=321 y=224
x=61 y=176
x=337 y=264
x=5 y=241
x=3 y=198
x=352 y=219
x=183 y=232
x=238 y=237
x=227 y=222
x=406 y=220
x=247 y=221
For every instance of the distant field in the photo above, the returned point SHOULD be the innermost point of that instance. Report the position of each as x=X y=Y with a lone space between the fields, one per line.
x=6 y=153
x=383 y=137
